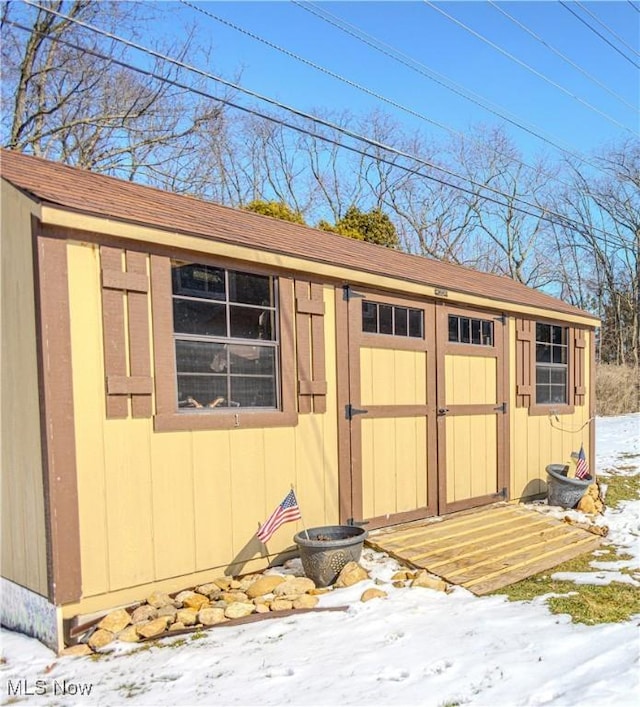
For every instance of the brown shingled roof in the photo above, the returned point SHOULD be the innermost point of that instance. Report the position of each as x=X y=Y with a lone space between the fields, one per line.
x=99 y=195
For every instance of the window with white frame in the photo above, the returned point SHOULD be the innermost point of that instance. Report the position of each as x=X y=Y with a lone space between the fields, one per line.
x=226 y=338
x=552 y=357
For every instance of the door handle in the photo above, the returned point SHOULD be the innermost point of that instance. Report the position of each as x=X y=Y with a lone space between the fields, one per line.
x=443 y=411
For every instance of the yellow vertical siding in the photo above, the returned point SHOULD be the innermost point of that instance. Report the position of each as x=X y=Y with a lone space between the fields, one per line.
x=172 y=508
x=539 y=440
x=470 y=380
x=24 y=552
x=389 y=377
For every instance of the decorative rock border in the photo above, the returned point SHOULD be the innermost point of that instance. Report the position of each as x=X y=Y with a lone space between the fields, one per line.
x=230 y=601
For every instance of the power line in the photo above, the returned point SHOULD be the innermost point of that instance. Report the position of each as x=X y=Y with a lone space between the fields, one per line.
x=441 y=80
x=595 y=31
x=529 y=31
x=526 y=66
x=611 y=32
x=302 y=114
x=545 y=214
x=635 y=7
x=351 y=83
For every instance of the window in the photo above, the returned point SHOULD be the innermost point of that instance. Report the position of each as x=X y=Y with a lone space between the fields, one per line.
x=226 y=338
x=379 y=318
x=552 y=351
x=467 y=330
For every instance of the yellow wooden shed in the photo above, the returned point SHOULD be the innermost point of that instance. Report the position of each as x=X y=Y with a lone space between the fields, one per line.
x=170 y=367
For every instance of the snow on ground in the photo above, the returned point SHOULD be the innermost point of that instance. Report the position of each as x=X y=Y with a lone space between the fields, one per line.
x=416 y=647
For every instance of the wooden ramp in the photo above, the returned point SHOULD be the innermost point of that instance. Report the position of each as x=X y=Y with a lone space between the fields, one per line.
x=485 y=549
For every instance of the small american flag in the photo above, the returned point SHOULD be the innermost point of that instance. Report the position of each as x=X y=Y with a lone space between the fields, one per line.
x=582 y=468
x=287 y=511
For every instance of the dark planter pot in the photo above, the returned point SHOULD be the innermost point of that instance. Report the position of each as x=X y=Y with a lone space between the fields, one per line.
x=563 y=491
x=328 y=549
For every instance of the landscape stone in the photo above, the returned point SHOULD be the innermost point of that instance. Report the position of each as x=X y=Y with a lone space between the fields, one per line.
x=262 y=608
x=169 y=611
x=115 y=621
x=146 y=612
x=587 y=504
x=187 y=616
x=158 y=599
x=372 y=593
x=129 y=635
x=223 y=582
x=294 y=586
x=424 y=579
x=305 y=601
x=230 y=597
x=281 y=605
x=239 y=609
x=153 y=628
x=207 y=589
x=178 y=626
x=101 y=638
x=195 y=601
x=351 y=574
x=78 y=650
x=402 y=574
x=264 y=585
x=210 y=617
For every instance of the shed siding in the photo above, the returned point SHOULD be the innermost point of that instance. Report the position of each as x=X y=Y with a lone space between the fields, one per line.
x=24 y=546
x=167 y=507
x=536 y=442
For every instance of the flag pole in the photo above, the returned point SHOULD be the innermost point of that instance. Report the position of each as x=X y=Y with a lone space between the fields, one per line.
x=304 y=527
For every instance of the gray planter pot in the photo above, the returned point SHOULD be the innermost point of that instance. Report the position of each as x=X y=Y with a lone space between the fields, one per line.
x=328 y=549
x=563 y=491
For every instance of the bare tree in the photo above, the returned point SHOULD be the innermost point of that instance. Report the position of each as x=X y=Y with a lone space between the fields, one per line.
x=68 y=95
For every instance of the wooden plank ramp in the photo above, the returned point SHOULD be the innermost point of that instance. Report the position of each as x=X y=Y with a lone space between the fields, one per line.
x=485 y=549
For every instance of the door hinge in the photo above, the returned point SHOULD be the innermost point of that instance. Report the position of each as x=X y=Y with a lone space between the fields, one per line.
x=501 y=408
x=349 y=293
x=350 y=412
x=358 y=523
x=443 y=411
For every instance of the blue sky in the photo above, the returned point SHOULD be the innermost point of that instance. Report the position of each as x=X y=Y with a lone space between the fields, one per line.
x=425 y=36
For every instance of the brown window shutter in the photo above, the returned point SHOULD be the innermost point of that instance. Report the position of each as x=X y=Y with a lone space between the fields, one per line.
x=125 y=287
x=312 y=383
x=579 y=346
x=525 y=386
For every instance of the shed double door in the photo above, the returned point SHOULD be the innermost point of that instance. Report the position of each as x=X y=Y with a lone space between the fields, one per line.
x=420 y=428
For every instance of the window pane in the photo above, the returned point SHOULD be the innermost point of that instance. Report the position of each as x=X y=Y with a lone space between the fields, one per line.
x=204 y=318
x=200 y=357
x=543 y=333
x=386 y=318
x=257 y=360
x=370 y=317
x=559 y=354
x=465 y=330
x=453 y=328
x=250 y=323
x=475 y=331
x=250 y=289
x=558 y=394
x=401 y=321
x=202 y=392
x=558 y=376
x=198 y=281
x=542 y=394
x=558 y=335
x=543 y=353
x=487 y=333
x=415 y=323
x=253 y=392
x=543 y=374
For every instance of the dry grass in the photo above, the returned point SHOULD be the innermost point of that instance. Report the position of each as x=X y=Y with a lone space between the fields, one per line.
x=617 y=390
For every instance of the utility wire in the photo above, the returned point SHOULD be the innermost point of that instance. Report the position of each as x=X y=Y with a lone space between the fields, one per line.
x=302 y=114
x=545 y=214
x=569 y=61
x=441 y=80
x=526 y=66
x=635 y=7
x=611 y=32
x=353 y=84
x=595 y=31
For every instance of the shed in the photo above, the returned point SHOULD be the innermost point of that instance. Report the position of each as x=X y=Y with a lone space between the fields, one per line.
x=171 y=366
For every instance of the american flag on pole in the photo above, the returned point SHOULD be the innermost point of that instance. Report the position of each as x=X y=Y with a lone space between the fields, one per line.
x=582 y=468
x=284 y=513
